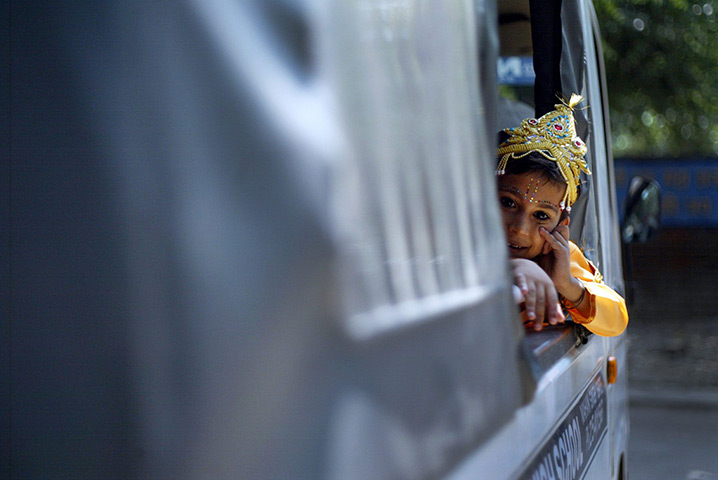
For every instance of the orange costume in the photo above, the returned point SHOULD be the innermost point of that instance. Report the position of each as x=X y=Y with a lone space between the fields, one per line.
x=609 y=316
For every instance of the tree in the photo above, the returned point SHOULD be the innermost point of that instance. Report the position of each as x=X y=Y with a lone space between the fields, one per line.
x=662 y=68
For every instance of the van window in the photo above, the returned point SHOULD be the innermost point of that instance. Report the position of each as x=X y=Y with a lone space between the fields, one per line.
x=592 y=218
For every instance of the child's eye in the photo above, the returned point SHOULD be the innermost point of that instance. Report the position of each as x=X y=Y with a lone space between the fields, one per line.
x=507 y=202
x=542 y=216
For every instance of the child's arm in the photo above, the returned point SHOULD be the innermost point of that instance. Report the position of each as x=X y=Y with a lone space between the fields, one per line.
x=598 y=307
x=538 y=292
x=608 y=315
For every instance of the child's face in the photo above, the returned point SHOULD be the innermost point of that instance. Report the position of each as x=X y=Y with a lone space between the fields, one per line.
x=528 y=202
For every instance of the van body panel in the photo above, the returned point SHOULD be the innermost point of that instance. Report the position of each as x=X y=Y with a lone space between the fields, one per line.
x=512 y=450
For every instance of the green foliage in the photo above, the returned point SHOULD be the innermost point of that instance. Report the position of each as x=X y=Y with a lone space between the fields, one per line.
x=662 y=69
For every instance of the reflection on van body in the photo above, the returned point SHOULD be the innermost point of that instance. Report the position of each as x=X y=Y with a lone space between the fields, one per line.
x=297 y=263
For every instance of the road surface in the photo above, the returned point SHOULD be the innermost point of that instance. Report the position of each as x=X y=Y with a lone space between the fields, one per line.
x=673 y=442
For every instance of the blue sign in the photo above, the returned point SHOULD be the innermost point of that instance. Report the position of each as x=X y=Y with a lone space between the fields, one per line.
x=689 y=188
x=516 y=71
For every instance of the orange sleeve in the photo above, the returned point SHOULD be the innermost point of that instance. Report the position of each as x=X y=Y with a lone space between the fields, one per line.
x=609 y=316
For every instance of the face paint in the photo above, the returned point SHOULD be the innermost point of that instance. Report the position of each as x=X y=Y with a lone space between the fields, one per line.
x=527 y=205
x=532 y=190
x=534 y=184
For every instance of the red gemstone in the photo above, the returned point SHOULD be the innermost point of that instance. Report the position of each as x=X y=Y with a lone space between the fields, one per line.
x=558 y=127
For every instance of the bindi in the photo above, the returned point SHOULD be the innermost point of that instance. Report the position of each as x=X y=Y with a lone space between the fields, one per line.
x=529 y=191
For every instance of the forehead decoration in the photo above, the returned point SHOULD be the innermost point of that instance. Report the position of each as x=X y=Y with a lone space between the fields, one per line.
x=554 y=137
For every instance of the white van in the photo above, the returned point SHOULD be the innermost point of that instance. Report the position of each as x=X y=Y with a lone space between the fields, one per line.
x=261 y=239
x=393 y=348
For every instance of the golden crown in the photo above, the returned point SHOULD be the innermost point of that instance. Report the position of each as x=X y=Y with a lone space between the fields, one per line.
x=554 y=137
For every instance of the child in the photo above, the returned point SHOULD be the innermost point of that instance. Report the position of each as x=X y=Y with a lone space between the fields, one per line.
x=538 y=178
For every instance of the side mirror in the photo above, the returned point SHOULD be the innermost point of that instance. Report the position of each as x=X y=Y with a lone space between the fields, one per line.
x=642 y=213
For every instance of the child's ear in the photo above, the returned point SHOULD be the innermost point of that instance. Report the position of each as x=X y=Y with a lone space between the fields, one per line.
x=566 y=221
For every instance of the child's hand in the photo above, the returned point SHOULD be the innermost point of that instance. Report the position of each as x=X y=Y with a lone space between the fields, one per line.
x=556 y=256
x=556 y=261
x=539 y=294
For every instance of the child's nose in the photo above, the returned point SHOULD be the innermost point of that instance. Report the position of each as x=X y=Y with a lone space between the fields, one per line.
x=519 y=225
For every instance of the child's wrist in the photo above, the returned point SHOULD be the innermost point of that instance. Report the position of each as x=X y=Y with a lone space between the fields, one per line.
x=574 y=293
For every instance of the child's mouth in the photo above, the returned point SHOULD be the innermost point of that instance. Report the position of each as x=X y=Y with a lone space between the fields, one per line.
x=516 y=249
